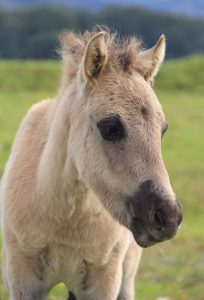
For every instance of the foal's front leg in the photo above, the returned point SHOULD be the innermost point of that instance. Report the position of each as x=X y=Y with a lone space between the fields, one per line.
x=130 y=265
x=26 y=278
x=101 y=282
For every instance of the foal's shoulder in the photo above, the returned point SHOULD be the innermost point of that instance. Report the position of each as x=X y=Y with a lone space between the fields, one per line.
x=37 y=117
x=33 y=129
x=39 y=110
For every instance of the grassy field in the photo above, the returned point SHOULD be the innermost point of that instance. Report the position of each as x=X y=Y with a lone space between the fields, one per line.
x=173 y=270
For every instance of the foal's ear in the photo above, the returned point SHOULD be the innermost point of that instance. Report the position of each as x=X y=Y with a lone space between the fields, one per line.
x=95 y=56
x=148 y=62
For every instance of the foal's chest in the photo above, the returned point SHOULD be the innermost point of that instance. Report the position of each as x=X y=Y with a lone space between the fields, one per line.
x=87 y=250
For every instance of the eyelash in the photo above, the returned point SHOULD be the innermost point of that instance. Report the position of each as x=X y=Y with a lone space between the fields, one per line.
x=111 y=129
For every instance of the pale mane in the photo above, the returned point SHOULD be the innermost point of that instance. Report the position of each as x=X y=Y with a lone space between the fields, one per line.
x=121 y=52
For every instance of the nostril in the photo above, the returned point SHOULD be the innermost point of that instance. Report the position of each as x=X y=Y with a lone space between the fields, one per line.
x=159 y=222
x=180 y=218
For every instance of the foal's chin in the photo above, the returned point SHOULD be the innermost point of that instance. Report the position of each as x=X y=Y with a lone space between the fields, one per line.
x=144 y=238
x=141 y=235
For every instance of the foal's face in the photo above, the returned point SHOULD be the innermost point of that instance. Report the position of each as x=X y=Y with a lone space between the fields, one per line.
x=127 y=124
x=122 y=156
x=119 y=153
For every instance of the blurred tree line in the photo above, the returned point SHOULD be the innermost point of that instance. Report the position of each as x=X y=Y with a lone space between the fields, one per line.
x=33 y=32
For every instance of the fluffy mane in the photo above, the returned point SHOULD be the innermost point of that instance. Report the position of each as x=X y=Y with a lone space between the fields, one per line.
x=121 y=52
x=125 y=54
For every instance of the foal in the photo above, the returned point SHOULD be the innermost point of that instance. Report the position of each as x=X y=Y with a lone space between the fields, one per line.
x=85 y=186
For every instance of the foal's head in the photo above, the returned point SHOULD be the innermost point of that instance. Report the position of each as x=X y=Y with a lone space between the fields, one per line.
x=116 y=130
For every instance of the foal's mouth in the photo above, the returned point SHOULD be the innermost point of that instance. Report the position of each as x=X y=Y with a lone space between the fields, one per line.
x=155 y=217
x=141 y=235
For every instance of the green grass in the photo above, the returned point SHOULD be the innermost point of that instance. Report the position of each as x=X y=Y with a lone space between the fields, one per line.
x=182 y=75
x=175 y=269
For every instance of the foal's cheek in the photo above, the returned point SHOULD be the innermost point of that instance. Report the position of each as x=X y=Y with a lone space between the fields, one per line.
x=115 y=155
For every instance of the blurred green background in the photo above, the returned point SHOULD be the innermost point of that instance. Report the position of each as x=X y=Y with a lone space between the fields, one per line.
x=175 y=269
x=32 y=32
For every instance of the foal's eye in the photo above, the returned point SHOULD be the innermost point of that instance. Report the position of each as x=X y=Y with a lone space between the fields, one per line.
x=111 y=129
x=164 y=128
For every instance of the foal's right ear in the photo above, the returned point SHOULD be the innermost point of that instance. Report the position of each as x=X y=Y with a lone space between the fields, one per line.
x=95 y=57
x=148 y=62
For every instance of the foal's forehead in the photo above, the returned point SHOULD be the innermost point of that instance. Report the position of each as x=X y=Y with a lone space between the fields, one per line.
x=127 y=93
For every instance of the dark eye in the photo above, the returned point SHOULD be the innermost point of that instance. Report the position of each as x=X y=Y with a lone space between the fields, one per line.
x=165 y=127
x=108 y=129
x=111 y=128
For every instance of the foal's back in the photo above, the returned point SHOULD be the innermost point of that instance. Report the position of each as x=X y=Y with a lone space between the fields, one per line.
x=19 y=180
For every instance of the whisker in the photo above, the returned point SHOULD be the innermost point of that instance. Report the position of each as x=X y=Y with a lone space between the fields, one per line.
x=161 y=251
x=184 y=227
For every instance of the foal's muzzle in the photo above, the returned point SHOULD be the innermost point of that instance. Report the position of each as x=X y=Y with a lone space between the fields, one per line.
x=155 y=217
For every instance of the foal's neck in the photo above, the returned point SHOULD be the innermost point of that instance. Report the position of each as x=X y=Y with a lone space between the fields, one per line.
x=57 y=178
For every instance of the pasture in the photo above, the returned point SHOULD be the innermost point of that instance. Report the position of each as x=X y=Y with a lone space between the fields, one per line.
x=173 y=270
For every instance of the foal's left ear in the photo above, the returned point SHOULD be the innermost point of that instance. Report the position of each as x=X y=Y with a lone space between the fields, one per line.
x=95 y=56
x=148 y=62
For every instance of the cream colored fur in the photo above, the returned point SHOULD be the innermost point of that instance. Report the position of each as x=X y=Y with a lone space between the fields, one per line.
x=63 y=214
